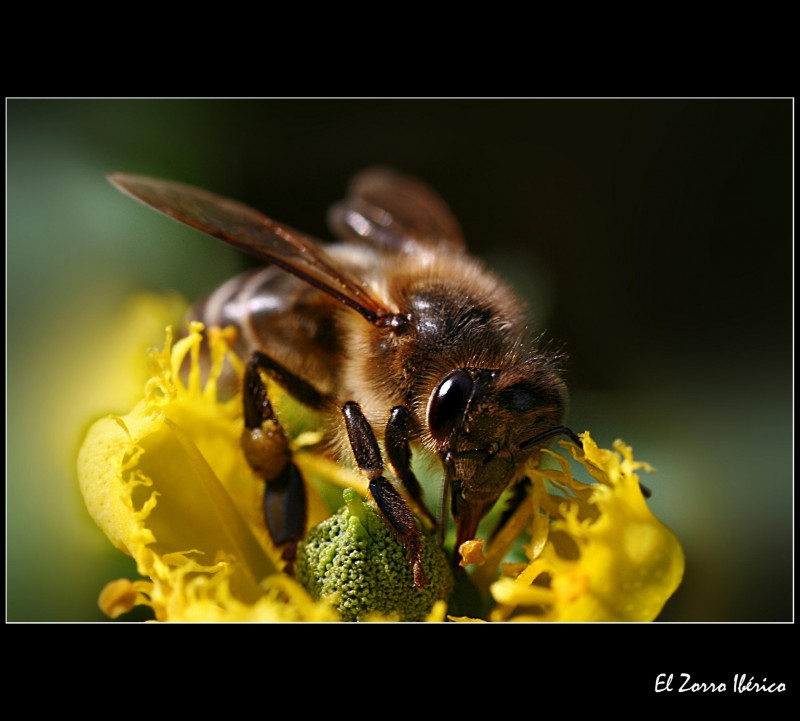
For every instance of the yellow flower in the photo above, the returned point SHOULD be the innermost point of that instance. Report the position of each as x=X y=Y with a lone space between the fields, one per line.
x=596 y=553
x=168 y=484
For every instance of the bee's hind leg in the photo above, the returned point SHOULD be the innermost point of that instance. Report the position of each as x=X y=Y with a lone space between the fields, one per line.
x=266 y=449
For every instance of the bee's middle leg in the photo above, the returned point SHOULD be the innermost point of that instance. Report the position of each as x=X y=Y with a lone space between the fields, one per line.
x=394 y=509
x=266 y=449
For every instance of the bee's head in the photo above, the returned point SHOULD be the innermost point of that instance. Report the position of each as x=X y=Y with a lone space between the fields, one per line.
x=486 y=424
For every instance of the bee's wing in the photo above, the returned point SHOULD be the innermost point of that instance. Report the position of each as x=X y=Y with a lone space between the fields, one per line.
x=253 y=232
x=394 y=212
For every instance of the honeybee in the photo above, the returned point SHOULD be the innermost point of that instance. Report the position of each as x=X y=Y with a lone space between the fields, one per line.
x=395 y=327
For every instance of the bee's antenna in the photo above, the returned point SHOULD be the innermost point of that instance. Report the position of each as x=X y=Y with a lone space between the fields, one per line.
x=563 y=430
x=557 y=431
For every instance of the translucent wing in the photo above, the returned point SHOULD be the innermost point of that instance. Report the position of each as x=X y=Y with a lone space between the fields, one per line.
x=394 y=212
x=253 y=232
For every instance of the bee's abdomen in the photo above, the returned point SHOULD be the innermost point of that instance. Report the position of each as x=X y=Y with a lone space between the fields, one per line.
x=279 y=315
x=242 y=300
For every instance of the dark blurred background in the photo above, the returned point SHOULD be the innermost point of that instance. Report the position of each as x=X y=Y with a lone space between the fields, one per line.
x=653 y=237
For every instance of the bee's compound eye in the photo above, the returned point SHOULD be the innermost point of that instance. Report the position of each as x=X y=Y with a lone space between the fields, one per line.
x=448 y=403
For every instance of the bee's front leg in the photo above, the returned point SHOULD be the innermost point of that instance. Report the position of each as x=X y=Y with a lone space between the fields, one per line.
x=399 y=453
x=395 y=511
x=266 y=449
x=518 y=496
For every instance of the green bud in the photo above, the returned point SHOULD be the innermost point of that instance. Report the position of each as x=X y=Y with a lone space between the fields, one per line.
x=355 y=562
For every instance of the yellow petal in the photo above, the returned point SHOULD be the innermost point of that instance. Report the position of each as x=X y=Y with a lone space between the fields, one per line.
x=606 y=558
x=121 y=596
x=155 y=495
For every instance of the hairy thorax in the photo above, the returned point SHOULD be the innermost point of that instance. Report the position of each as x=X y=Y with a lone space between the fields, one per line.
x=460 y=316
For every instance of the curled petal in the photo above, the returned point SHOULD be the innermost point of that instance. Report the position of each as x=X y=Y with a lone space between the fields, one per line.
x=606 y=558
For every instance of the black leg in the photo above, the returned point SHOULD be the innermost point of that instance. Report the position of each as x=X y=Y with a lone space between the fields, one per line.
x=395 y=511
x=294 y=385
x=399 y=452
x=266 y=449
x=519 y=494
